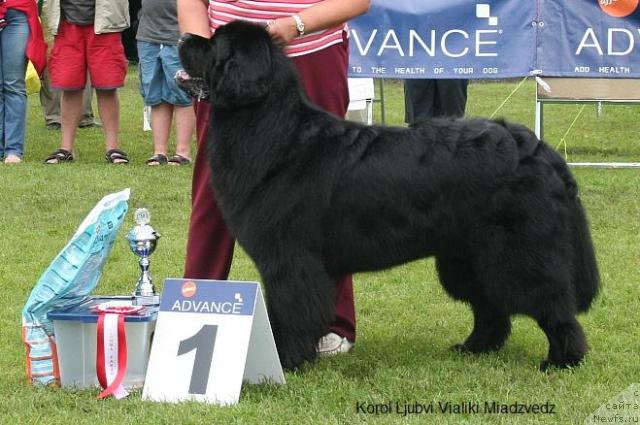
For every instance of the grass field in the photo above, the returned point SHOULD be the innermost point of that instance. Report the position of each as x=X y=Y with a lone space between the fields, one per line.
x=405 y=321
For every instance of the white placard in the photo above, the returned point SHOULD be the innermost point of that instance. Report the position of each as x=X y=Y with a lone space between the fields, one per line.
x=210 y=337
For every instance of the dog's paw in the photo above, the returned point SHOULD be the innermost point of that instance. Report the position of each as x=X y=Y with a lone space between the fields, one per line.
x=547 y=365
x=459 y=348
x=296 y=359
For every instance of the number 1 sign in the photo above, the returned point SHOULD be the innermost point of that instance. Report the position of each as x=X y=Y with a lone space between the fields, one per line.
x=210 y=337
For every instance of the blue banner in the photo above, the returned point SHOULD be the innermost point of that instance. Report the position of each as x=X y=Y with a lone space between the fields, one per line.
x=496 y=39
x=589 y=38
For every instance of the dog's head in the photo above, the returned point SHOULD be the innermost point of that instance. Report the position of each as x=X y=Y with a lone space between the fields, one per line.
x=236 y=63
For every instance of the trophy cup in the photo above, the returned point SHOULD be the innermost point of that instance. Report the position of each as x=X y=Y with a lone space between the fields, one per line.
x=142 y=242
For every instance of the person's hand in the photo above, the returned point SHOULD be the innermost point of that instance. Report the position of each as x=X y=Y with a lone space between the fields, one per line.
x=282 y=30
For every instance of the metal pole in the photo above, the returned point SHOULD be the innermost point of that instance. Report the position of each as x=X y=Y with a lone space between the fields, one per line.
x=382 y=111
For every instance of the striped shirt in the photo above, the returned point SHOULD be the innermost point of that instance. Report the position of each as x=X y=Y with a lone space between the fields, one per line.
x=261 y=11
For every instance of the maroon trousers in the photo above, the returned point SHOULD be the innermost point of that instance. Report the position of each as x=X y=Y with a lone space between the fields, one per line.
x=209 y=244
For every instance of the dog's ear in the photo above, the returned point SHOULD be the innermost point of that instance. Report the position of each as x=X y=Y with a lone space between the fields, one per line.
x=193 y=49
x=245 y=77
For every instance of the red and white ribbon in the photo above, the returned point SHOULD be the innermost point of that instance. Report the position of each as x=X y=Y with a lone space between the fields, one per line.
x=111 y=359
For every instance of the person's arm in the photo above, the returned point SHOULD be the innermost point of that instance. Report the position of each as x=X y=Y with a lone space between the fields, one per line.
x=193 y=17
x=319 y=17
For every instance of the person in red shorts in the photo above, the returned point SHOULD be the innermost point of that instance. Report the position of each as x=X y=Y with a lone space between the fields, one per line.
x=314 y=35
x=87 y=38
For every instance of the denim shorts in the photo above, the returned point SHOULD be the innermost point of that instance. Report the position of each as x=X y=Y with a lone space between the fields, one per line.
x=158 y=64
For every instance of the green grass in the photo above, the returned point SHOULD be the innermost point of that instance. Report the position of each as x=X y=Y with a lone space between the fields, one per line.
x=405 y=321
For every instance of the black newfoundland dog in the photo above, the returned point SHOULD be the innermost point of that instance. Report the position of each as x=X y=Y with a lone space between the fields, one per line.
x=310 y=197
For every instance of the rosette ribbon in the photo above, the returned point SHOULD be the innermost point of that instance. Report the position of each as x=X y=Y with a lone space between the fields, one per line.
x=111 y=347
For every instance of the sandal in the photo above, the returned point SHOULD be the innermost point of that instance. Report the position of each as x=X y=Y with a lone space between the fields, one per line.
x=58 y=156
x=179 y=160
x=157 y=159
x=116 y=156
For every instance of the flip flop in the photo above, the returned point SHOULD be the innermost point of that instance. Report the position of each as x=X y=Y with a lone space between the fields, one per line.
x=58 y=156
x=116 y=156
x=157 y=159
x=179 y=160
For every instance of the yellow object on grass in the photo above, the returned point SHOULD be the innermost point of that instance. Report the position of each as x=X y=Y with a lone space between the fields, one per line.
x=32 y=80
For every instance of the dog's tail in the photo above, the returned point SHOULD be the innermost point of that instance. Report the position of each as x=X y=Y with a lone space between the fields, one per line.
x=586 y=279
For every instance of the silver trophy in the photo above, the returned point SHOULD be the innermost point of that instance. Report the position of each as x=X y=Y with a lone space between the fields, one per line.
x=142 y=241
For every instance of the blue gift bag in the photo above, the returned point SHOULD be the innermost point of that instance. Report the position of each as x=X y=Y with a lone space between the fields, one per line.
x=69 y=279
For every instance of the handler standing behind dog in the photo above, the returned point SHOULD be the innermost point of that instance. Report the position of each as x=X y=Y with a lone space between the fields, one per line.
x=314 y=34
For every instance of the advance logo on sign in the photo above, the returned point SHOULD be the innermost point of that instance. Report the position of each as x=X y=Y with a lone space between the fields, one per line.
x=190 y=306
x=451 y=43
x=616 y=41
x=219 y=307
x=618 y=8
x=191 y=300
x=484 y=11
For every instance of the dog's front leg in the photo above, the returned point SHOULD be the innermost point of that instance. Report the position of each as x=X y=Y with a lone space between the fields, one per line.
x=301 y=302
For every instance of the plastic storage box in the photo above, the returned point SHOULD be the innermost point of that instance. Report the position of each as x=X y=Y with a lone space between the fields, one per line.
x=75 y=333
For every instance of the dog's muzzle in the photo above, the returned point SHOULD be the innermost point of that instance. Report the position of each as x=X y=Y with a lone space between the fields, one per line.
x=196 y=87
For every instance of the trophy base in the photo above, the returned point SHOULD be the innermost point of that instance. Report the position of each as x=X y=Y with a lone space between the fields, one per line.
x=146 y=300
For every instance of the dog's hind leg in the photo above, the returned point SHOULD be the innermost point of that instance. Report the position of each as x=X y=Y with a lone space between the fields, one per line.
x=301 y=303
x=491 y=325
x=567 y=343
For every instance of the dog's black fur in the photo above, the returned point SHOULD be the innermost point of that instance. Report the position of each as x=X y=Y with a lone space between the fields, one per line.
x=311 y=197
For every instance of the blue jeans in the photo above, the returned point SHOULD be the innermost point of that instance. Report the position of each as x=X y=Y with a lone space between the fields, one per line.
x=158 y=64
x=13 y=96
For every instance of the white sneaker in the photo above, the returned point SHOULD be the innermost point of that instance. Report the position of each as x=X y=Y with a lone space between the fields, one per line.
x=332 y=344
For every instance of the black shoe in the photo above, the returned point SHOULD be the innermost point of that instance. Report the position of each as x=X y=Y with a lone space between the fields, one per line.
x=53 y=126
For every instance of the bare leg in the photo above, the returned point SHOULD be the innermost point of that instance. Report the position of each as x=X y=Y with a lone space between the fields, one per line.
x=109 y=108
x=87 y=119
x=185 y=124
x=70 y=112
x=161 y=117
